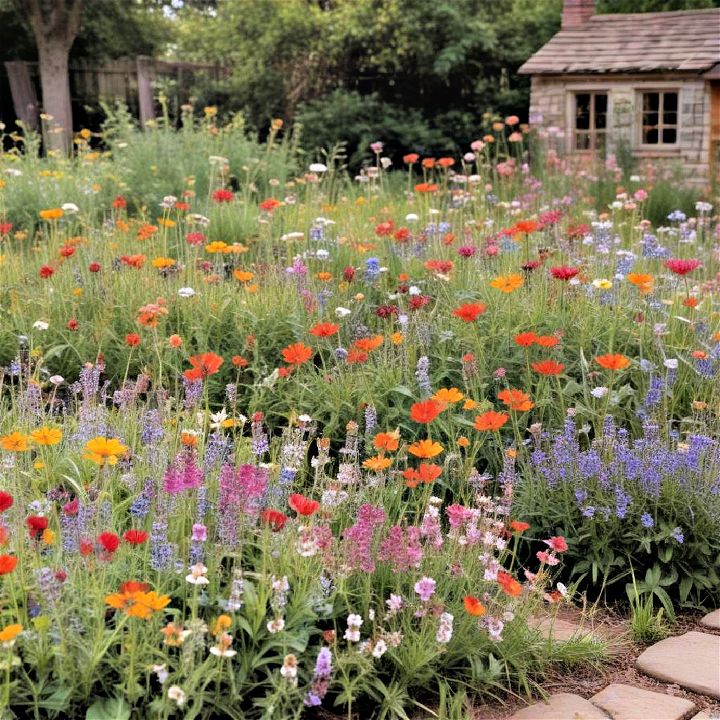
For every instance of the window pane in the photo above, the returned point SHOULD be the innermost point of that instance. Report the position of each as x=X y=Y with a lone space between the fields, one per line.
x=670 y=102
x=582 y=141
x=601 y=111
x=651 y=102
x=650 y=135
x=669 y=136
x=669 y=117
x=582 y=111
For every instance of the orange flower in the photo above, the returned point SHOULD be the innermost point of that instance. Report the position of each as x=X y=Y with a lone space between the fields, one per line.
x=490 y=421
x=508 y=283
x=446 y=162
x=377 y=463
x=270 y=204
x=469 y=312
x=368 y=344
x=448 y=396
x=516 y=400
x=356 y=357
x=509 y=585
x=426 y=411
x=473 y=606
x=547 y=341
x=426 y=473
x=642 y=281
x=243 y=275
x=612 y=361
x=425 y=449
x=548 y=367
x=387 y=441
x=426 y=187
x=204 y=365
x=323 y=330
x=7 y=564
x=526 y=339
x=297 y=354
x=519 y=526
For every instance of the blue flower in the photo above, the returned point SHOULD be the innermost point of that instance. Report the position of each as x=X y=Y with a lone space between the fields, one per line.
x=647 y=520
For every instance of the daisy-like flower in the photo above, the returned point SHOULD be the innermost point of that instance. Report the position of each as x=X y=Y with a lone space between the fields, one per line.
x=197 y=575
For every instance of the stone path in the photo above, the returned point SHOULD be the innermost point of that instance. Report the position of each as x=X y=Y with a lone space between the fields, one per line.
x=690 y=661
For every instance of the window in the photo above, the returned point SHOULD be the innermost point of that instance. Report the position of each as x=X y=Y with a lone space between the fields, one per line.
x=590 y=121
x=659 y=122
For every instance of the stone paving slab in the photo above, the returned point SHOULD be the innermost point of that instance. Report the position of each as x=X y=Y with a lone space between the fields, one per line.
x=563 y=706
x=712 y=620
x=705 y=715
x=624 y=702
x=691 y=660
x=560 y=630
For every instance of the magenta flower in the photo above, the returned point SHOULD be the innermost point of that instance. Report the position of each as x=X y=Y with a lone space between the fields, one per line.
x=425 y=587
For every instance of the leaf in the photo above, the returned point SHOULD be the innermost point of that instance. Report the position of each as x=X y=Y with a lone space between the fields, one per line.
x=685 y=587
x=402 y=390
x=108 y=709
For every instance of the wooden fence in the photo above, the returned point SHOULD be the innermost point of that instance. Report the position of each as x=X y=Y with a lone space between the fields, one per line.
x=129 y=80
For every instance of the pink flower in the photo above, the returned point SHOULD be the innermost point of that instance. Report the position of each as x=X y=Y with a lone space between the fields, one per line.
x=557 y=543
x=547 y=557
x=199 y=533
x=425 y=587
x=682 y=267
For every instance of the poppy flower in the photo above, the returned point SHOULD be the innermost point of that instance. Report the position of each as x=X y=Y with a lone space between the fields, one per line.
x=411 y=158
x=547 y=341
x=297 y=354
x=564 y=272
x=269 y=205
x=519 y=526
x=548 y=367
x=642 y=281
x=356 y=357
x=682 y=267
x=525 y=339
x=7 y=564
x=368 y=344
x=46 y=272
x=490 y=421
x=425 y=411
x=446 y=162
x=473 y=606
x=426 y=187
x=132 y=339
x=6 y=501
x=387 y=441
x=508 y=584
x=557 y=543
x=203 y=365
x=469 y=312
x=612 y=361
x=428 y=163
x=303 y=505
x=426 y=473
x=323 y=330
x=516 y=400
x=135 y=537
x=109 y=541
x=36 y=525
x=274 y=519
x=222 y=196
x=425 y=448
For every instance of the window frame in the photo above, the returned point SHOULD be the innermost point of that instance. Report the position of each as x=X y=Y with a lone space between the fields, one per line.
x=661 y=126
x=592 y=132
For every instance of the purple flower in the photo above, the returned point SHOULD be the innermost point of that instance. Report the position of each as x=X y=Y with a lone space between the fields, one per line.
x=199 y=533
x=425 y=587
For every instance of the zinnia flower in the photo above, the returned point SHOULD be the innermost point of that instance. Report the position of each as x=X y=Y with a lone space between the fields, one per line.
x=548 y=367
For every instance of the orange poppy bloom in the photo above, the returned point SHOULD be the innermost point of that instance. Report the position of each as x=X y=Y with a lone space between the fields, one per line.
x=426 y=187
x=516 y=400
x=7 y=564
x=411 y=158
x=642 y=281
x=270 y=204
x=425 y=449
x=508 y=283
x=368 y=344
x=469 y=312
x=473 y=606
x=326 y=329
x=526 y=339
x=547 y=341
x=548 y=367
x=377 y=463
x=519 y=526
x=203 y=365
x=446 y=162
x=426 y=411
x=525 y=227
x=426 y=473
x=356 y=357
x=389 y=441
x=428 y=163
x=297 y=353
x=612 y=361
x=509 y=585
x=490 y=421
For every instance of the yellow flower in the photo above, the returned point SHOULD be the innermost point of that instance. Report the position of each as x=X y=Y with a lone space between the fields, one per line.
x=101 y=450
x=508 y=283
x=223 y=623
x=8 y=634
x=48 y=536
x=377 y=463
x=166 y=222
x=469 y=404
x=397 y=338
x=46 y=436
x=14 y=442
x=162 y=262
x=425 y=448
x=243 y=275
x=216 y=247
x=52 y=214
x=210 y=111
x=77 y=292
x=448 y=395
x=38 y=465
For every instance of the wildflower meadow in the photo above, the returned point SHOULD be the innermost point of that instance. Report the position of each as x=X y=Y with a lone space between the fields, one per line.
x=279 y=441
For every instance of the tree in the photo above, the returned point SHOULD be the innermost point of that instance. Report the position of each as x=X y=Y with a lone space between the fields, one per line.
x=55 y=24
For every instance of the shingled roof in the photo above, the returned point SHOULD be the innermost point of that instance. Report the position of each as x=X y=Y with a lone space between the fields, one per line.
x=687 y=40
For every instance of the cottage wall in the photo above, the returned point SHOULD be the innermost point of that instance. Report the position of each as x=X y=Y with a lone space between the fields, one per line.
x=552 y=113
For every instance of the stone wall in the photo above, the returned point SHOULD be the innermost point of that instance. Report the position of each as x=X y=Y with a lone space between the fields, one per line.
x=551 y=113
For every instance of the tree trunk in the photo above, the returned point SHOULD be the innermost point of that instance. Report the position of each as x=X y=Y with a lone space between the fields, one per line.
x=55 y=82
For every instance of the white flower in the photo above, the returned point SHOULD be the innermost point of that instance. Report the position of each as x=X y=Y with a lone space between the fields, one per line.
x=671 y=363
x=292 y=236
x=217 y=419
x=57 y=379
x=161 y=672
x=599 y=392
x=41 y=325
x=198 y=219
x=602 y=283
x=318 y=168
x=186 y=292
x=379 y=649
x=414 y=290
x=304 y=418
x=13 y=172
x=276 y=625
x=176 y=693
x=71 y=208
x=411 y=217
x=342 y=312
x=322 y=254
x=168 y=202
x=562 y=589
x=386 y=162
x=197 y=575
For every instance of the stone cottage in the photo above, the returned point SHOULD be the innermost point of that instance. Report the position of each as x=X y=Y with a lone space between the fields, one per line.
x=646 y=83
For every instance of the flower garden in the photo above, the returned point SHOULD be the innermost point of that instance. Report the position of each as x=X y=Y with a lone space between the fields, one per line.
x=280 y=442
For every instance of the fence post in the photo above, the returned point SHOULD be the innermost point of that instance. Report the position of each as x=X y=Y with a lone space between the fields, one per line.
x=23 y=94
x=145 y=77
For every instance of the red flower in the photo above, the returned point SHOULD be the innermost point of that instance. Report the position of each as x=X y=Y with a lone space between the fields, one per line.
x=119 y=202
x=473 y=606
x=564 y=272
x=222 y=196
x=526 y=339
x=131 y=586
x=132 y=339
x=72 y=507
x=302 y=505
x=86 y=547
x=270 y=204
x=519 y=526
x=36 y=524
x=411 y=158
x=469 y=312
x=426 y=411
x=67 y=251
x=7 y=564
x=203 y=365
x=135 y=537
x=557 y=543
x=323 y=330
x=509 y=585
x=297 y=354
x=94 y=267
x=109 y=541
x=490 y=421
x=5 y=228
x=548 y=367
x=46 y=272
x=274 y=518
x=73 y=324
x=385 y=228
x=682 y=267
x=6 y=501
